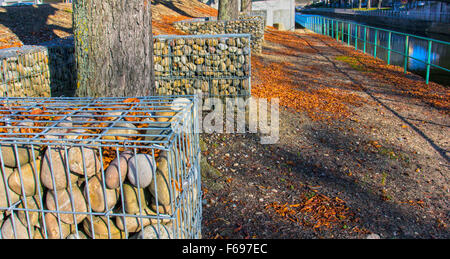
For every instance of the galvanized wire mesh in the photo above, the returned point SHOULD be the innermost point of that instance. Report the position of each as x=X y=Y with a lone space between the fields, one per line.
x=214 y=65
x=99 y=168
x=254 y=26
x=38 y=70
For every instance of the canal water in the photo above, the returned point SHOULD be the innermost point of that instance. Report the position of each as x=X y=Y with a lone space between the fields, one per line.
x=417 y=48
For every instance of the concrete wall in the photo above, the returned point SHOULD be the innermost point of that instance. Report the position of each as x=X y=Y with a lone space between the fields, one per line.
x=279 y=11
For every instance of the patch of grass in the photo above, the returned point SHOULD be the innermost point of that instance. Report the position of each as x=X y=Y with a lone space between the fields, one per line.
x=383 y=179
x=309 y=195
x=353 y=62
x=393 y=155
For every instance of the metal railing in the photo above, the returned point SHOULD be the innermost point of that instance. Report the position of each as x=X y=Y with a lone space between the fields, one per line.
x=338 y=29
x=443 y=17
x=100 y=168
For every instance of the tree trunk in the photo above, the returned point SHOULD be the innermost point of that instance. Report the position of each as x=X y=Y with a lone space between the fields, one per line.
x=246 y=6
x=113 y=47
x=228 y=10
x=359 y=4
x=368 y=4
x=379 y=3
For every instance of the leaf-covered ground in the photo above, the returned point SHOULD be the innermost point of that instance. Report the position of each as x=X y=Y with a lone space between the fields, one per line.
x=27 y=25
x=362 y=150
x=363 y=147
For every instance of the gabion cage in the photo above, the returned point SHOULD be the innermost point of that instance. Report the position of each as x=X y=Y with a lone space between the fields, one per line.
x=100 y=168
x=210 y=65
x=43 y=71
x=253 y=25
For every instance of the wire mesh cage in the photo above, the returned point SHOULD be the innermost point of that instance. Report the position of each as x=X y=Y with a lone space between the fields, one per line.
x=213 y=65
x=253 y=25
x=43 y=71
x=100 y=168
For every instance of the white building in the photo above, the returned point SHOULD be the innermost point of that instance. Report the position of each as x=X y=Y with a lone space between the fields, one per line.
x=275 y=11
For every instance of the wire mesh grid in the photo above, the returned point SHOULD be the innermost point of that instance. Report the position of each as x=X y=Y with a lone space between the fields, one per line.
x=37 y=70
x=213 y=65
x=18 y=76
x=100 y=168
x=253 y=25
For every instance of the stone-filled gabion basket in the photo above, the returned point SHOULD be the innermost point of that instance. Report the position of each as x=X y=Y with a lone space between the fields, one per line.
x=214 y=65
x=254 y=26
x=99 y=168
x=44 y=71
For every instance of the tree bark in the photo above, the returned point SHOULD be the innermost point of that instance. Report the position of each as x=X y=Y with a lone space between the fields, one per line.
x=113 y=47
x=246 y=6
x=379 y=3
x=228 y=10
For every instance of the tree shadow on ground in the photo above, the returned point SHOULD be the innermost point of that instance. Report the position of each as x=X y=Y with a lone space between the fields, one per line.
x=170 y=5
x=387 y=218
x=370 y=92
x=30 y=22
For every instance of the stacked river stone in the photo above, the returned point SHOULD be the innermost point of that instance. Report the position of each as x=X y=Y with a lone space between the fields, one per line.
x=62 y=178
x=213 y=66
x=253 y=26
x=26 y=74
x=37 y=70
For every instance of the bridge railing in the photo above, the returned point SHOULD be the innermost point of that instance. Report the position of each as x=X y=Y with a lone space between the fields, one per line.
x=350 y=31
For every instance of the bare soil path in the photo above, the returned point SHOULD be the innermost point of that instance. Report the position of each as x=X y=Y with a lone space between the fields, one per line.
x=341 y=169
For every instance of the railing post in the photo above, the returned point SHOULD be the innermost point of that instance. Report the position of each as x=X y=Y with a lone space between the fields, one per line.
x=406 y=54
x=348 y=33
x=365 y=38
x=389 y=49
x=332 y=28
x=375 y=44
x=356 y=36
x=428 y=62
x=337 y=31
x=342 y=31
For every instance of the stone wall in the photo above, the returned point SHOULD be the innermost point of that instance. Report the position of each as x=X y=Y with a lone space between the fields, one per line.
x=253 y=25
x=212 y=64
x=46 y=70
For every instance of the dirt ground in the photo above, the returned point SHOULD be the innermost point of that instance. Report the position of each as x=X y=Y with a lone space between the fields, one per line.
x=28 y=25
x=381 y=168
